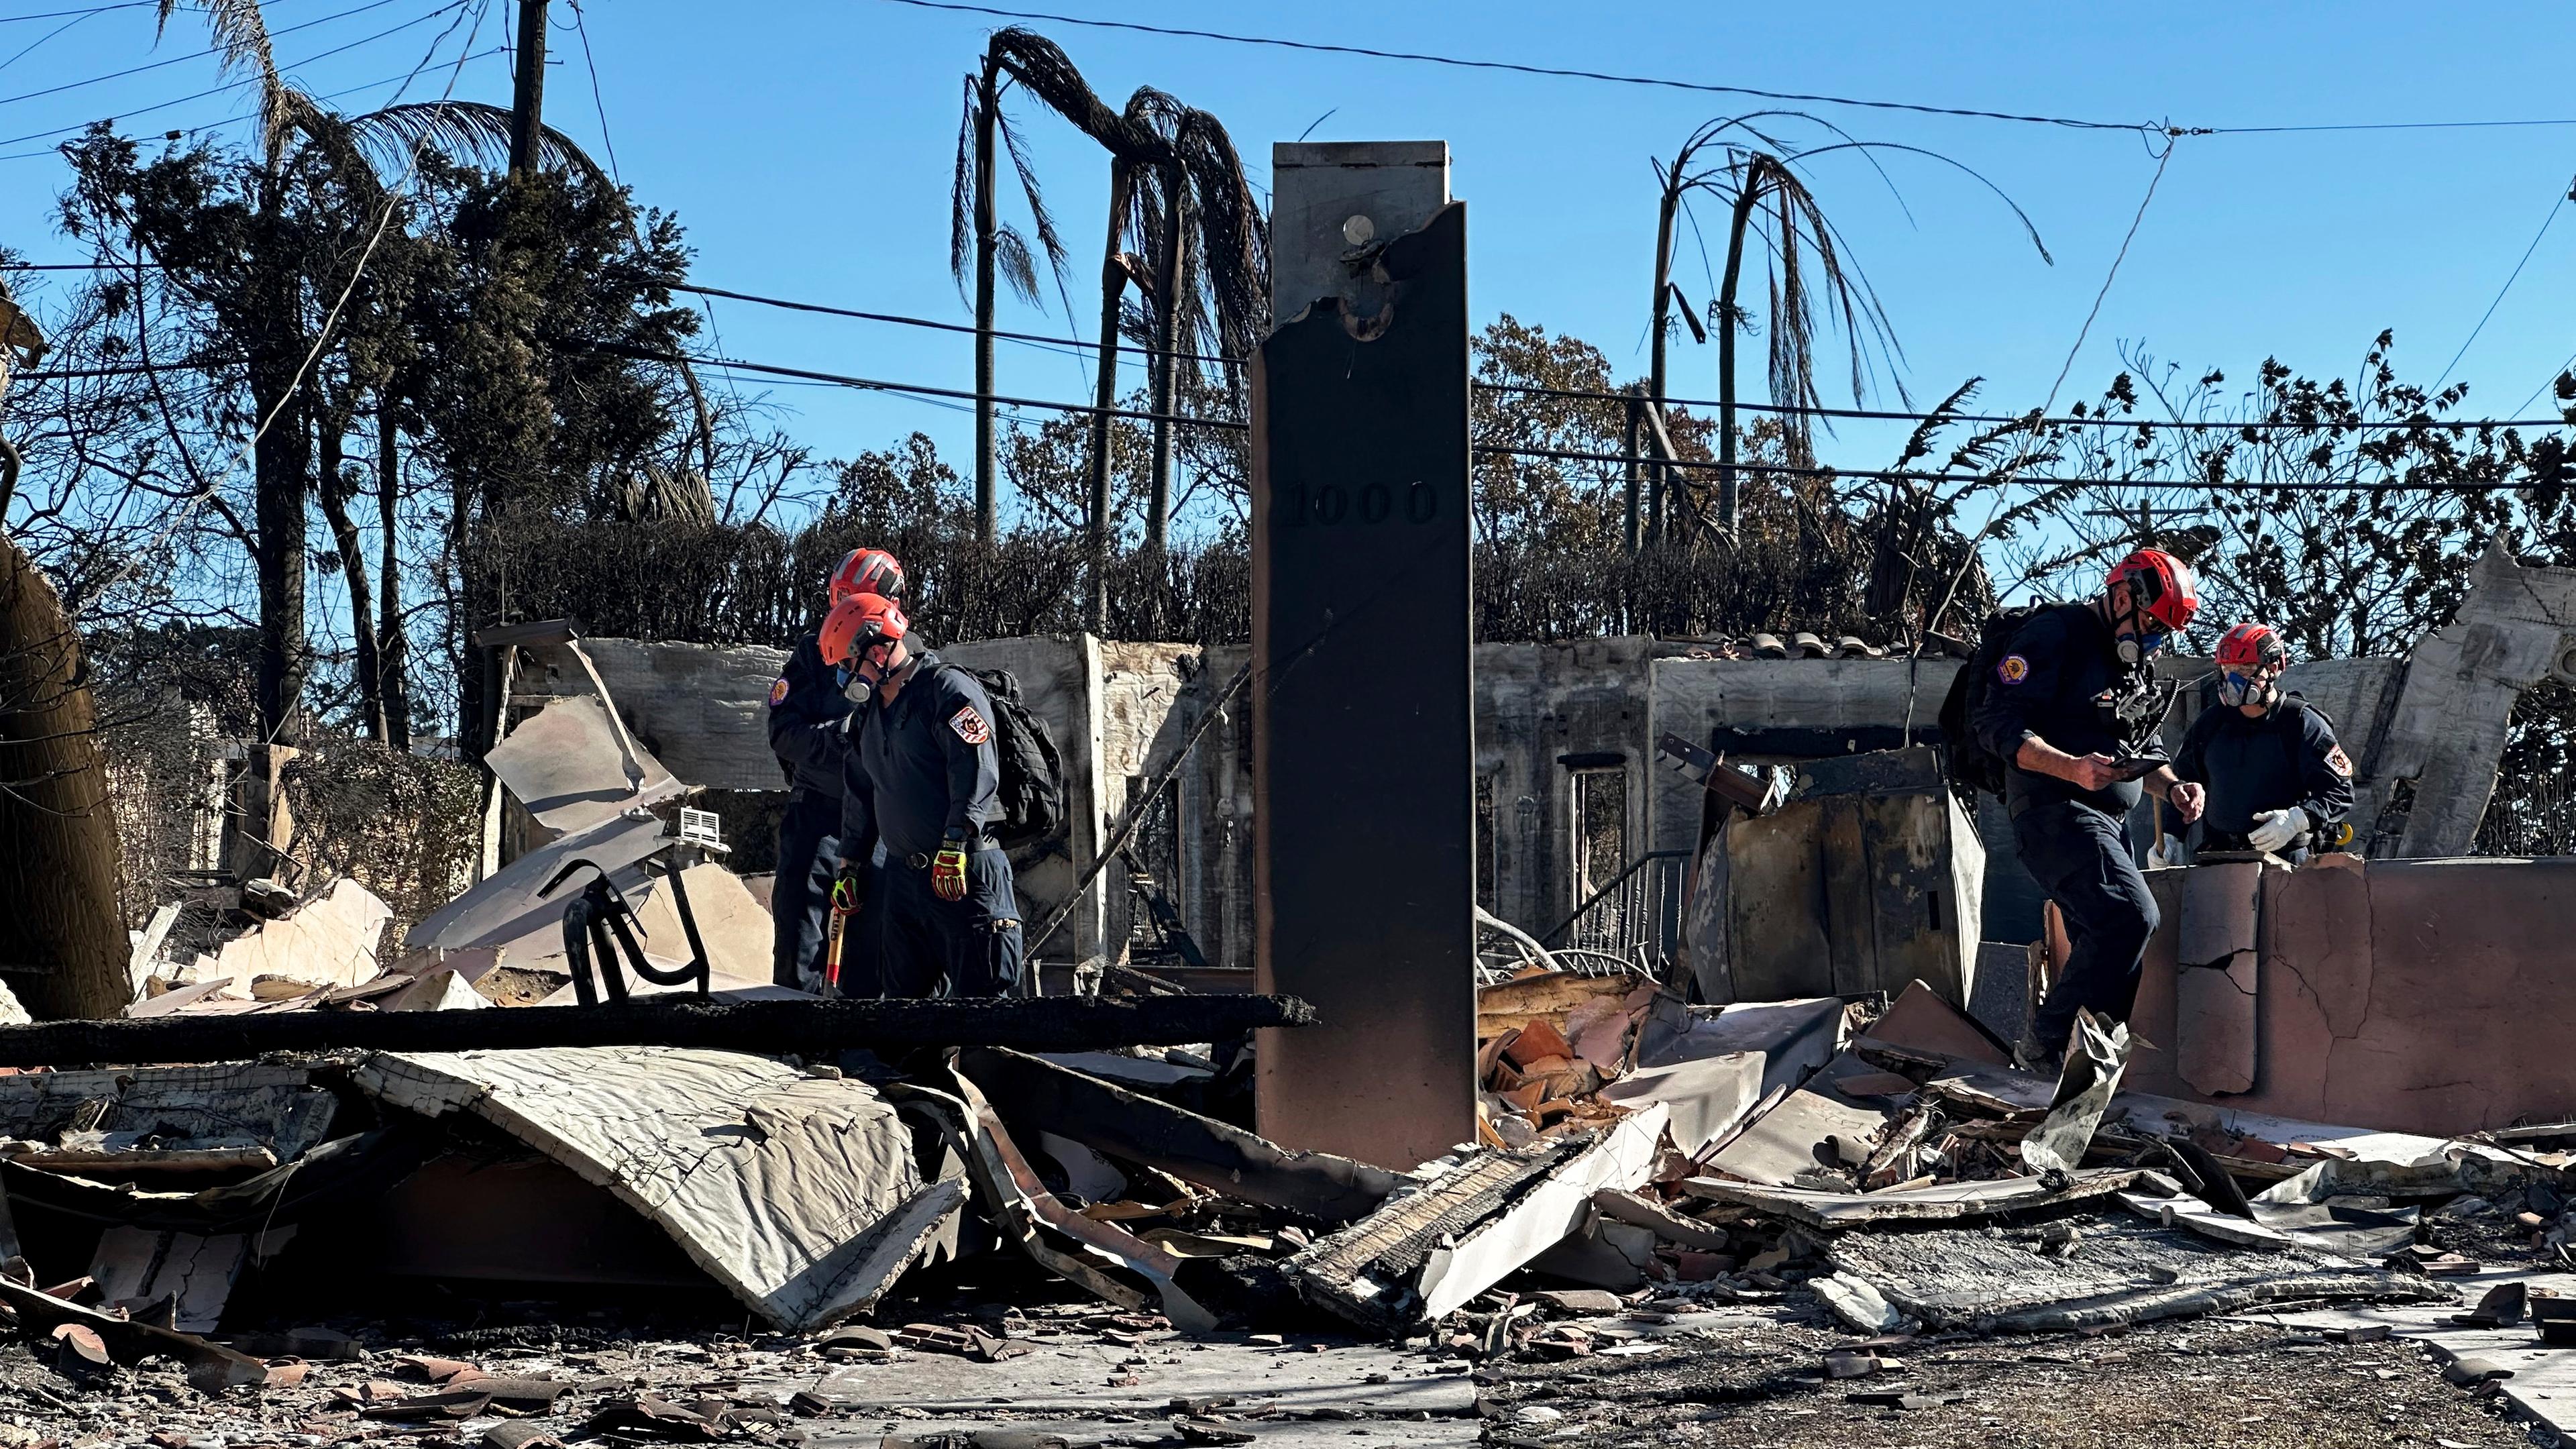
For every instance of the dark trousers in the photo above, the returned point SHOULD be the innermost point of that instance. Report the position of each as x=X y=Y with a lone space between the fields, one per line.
x=2080 y=857
x=924 y=946
x=800 y=898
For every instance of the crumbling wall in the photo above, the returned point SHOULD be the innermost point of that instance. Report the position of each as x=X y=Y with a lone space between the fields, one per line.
x=2423 y=996
x=1546 y=713
x=2426 y=778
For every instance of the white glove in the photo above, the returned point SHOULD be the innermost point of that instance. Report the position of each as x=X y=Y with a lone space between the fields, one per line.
x=2276 y=828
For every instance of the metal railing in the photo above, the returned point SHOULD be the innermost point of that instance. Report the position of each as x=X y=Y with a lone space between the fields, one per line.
x=1640 y=907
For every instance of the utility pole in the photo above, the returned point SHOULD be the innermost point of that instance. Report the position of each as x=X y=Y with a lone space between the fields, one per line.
x=2143 y=518
x=528 y=96
x=988 y=458
x=1628 y=445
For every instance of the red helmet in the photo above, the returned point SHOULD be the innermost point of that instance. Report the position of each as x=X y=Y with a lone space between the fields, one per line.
x=2251 y=646
x=866 y=571
x=2165 y=590
x=859 y=622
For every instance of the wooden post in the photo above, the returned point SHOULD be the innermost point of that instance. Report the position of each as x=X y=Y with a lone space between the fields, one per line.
x=1635 y=470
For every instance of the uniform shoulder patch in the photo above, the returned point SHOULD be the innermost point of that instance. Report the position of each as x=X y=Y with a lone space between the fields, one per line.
x=2339 y=762
x=970 y=726
x=2013 y=670
x=778 y=692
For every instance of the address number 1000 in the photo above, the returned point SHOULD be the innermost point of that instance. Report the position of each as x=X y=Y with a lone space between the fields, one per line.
x=1370 y=503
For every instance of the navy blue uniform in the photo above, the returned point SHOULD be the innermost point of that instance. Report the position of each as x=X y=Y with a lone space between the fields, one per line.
x=2061 y=680
x=806 y=707
x=2285 y=757
x=923 y=773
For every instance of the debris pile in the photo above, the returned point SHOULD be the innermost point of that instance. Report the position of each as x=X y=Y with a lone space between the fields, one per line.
x=578 y=1073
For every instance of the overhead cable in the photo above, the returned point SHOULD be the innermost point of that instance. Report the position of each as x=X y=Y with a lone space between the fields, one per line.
x=1709 y=87
x=195 y=55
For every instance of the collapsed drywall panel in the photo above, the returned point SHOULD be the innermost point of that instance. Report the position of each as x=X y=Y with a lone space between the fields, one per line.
x=1782 y=1143
x=512 y=904
x=330 y=941
x=1622 y=1156
x=1430 y=1250
x=569 y=767
x=767 y=1178
x=1919 y=1019
x=1707 y=1097
x=732 y=925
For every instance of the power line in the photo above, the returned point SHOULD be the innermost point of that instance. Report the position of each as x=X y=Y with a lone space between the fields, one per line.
x=1595 y=395
x=1668 y=83
x=2554 y=208
x=1518 y=68
x=192 y=130
x=931 y=392
x=92 y=10
x=1583 y=394
x=194 y=55
x=926 y=390
x=2544 y=387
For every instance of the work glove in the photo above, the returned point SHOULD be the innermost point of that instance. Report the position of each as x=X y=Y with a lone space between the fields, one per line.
x=849 y=889
x=2276 y=828
x=948 y=872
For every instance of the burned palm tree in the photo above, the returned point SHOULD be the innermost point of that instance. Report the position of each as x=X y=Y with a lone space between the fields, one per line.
x=1183 y=227
x=1186 y=230
x=1769 y=201
x=240 y=33
x=1034 y=63
x=1211 y=296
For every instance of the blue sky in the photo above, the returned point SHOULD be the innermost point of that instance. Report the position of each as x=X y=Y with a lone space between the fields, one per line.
x=806 y=146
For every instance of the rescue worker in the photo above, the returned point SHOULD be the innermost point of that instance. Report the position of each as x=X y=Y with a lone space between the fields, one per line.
x=2277 y=779
x=806 y=708
x=941 y=917
x=2063 y=711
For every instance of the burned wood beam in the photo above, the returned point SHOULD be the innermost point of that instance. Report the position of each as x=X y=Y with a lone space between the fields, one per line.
x=1034 y=1093
x=1044 y=1023
x=212 y=1368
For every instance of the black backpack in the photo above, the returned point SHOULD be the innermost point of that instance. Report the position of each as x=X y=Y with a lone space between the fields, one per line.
x=1032 y=788
x=1973 y=767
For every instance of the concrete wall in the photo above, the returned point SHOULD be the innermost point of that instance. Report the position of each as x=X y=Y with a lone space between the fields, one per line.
x=1543 y=712
x=2427 y=996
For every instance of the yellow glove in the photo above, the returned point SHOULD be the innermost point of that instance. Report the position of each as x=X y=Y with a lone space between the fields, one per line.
x=948 y=872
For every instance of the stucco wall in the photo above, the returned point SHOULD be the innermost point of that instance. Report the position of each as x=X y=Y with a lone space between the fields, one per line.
x=2430 y=996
